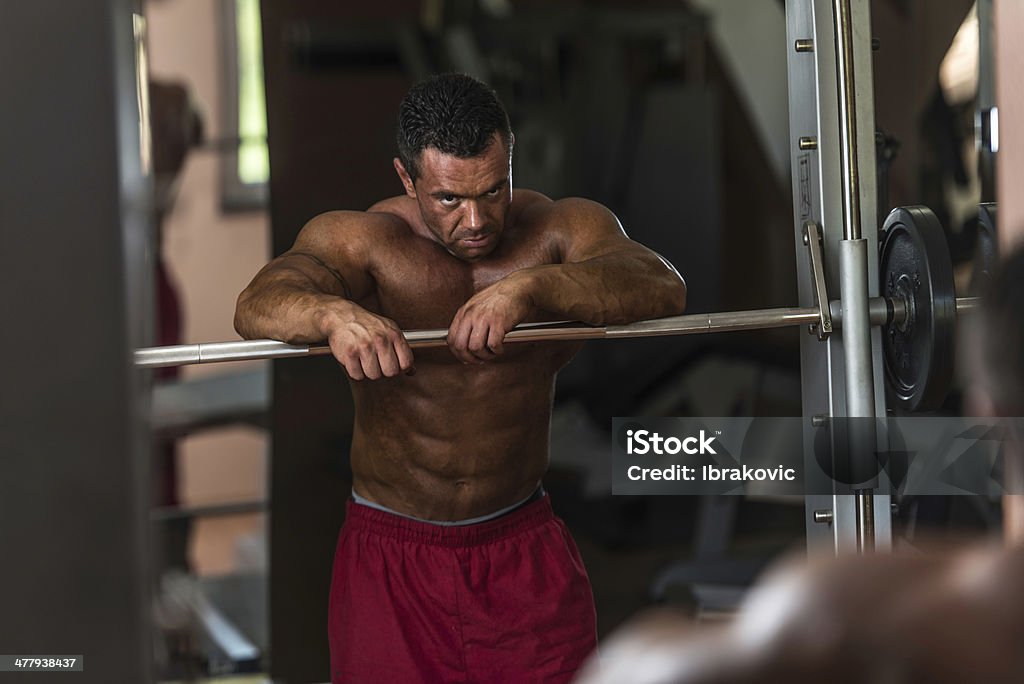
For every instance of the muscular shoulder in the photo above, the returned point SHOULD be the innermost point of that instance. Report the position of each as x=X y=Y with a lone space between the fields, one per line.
x=574 y=226
x=352 y=228
x=570 y=214
x=346 y=244
x=352 y=234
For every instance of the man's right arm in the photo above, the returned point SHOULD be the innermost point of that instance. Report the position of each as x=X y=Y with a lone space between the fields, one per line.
x=309 y=294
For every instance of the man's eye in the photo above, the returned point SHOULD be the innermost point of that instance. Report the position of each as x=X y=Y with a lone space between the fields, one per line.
x=448 y=199
x=494 y=193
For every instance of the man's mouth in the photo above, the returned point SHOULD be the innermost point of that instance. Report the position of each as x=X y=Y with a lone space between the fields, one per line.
x=476 y=240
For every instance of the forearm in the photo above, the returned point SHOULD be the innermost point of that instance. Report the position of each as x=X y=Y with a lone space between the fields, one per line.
x=288 y=308
x=606 y=290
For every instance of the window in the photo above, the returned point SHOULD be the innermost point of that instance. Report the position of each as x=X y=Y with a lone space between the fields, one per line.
x=245 y=166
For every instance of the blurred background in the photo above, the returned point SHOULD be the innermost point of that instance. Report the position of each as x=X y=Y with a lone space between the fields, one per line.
x=674 y=114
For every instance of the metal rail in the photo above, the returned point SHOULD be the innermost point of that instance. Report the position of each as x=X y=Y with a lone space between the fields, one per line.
x=881 y=311
x=853 y=270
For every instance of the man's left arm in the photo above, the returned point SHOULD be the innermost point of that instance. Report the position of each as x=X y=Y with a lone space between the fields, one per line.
x=603 y=278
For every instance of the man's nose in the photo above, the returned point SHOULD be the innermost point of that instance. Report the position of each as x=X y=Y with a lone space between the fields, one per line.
x=472 y=218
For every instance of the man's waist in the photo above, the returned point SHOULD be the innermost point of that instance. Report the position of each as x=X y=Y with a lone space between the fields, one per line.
x=538 y=493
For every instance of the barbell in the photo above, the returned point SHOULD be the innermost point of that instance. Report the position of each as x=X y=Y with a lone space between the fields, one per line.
x=917 y=313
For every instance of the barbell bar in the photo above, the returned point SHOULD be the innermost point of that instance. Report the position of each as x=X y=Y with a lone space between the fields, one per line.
x=882 y=311
x=918 y=310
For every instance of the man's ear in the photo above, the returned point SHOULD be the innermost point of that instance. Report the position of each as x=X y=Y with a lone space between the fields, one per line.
x=410 y=187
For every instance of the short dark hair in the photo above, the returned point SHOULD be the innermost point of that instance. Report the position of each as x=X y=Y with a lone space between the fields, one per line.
x=1001 y=335
x=455 y=113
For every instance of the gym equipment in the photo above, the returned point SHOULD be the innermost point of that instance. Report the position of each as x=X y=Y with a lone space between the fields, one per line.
x=918 y=315
x=916 y=268
x=986 y=251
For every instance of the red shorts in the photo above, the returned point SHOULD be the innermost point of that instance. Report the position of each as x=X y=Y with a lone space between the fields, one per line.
x=506 y=600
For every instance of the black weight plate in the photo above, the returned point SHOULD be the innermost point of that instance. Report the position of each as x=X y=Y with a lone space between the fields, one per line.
x=986 y=250
x=915 y=265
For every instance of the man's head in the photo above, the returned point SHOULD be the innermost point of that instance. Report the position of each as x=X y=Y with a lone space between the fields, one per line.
x=455 y=160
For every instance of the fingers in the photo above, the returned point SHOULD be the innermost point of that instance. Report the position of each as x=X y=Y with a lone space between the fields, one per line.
x=373 y=353
x=405 y=357
x=478 y=329
x=478 y=337
x=371 y=347
x=496 y=340
x=353 y=366
x=476 y=340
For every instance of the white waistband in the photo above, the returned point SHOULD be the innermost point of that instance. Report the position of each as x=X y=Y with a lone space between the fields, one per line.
x=537 y=494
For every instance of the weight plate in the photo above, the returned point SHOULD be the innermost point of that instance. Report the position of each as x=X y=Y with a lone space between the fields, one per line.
x=915 y=266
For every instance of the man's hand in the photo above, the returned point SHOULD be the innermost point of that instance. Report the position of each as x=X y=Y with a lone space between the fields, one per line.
x=367 y=345
x=478 y=330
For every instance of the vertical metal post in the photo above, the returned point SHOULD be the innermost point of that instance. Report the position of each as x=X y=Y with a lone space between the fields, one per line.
x=865 y=521
x=835 y=108
x=846 y=80
x=986 y=114
x=853 y=273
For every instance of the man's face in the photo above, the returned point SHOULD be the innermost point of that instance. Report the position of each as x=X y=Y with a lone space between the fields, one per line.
x=464 y=202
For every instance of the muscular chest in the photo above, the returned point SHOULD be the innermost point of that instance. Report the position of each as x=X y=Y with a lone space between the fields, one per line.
x=424 y=286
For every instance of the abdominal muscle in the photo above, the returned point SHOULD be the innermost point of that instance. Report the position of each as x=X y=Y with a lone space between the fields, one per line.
x=455 y=441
